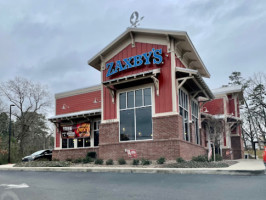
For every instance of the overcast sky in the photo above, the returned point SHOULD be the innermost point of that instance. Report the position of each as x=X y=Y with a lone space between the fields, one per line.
x=51 y=41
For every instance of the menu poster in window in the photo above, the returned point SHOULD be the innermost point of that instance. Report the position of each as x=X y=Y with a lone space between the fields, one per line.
x=83 y=130
x=67 y=132
x=76 y=131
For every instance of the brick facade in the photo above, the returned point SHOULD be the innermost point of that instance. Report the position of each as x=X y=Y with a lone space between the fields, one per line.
x=73 y=154
x=167 y=141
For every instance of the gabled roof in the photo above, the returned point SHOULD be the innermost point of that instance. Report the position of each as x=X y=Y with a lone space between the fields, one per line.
x=205 y=90
x=229 y=90
x=183 y=45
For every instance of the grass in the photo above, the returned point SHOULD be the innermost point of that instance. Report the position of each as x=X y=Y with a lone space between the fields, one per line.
x=194 y=164
x=258 y=152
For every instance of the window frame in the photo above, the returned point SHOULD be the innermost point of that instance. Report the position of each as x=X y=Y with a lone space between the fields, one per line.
x=195 y=116
x=134 y=89
x=98 y=122
x=183 y=102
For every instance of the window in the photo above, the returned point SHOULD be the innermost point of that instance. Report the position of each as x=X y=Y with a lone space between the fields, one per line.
x=183 y=111
x=135 y=115
x=67 y=143
x=96 y=133
x=195 y=119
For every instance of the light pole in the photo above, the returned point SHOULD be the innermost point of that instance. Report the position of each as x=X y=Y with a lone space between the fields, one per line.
x=9 y=141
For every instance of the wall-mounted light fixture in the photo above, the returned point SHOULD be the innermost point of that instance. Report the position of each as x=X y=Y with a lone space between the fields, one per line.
x=96 y=101
x=64 y=106
x=204 y=109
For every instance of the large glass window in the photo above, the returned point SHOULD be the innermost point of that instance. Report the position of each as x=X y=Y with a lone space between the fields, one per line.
x=67 y=143
x=183 y=111
x=96 y=133
x=135 y=115
x=195 y=119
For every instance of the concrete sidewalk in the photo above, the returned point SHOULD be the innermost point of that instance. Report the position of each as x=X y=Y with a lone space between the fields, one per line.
x=243 y=167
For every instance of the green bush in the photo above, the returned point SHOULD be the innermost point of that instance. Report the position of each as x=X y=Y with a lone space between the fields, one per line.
x=218 y=157
x=121 y=161
x=3 y=159
x=145 y=161
x=92 y=154
x=180 y=160
x=200 y=158
x=98 y=161
x=161 y=161
x=87 y=160
x=69 y=159
x=109 y=162
x=78 y=160
x=135 y=162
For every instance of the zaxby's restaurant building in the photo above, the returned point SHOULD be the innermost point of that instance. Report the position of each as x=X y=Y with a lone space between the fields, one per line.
x=148 y=100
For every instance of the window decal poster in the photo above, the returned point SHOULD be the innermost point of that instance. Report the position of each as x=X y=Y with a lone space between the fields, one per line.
x=76 y=131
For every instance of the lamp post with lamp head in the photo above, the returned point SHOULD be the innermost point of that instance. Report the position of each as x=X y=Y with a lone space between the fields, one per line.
x=9 y=141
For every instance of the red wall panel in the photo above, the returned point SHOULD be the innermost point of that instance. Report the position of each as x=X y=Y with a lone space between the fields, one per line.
x=57 y=139
x=78 y=103
x=179 y=63
x=215 y=107
x=232 y=106
x=163 y=102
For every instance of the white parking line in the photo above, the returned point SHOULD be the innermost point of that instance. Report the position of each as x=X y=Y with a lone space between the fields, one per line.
x=14 y=186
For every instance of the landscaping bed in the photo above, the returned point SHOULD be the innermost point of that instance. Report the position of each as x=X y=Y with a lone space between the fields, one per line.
x=91 y=160
x=44 y=164
x=128 y=164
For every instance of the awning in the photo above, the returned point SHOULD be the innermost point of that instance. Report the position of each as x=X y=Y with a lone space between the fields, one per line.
x=134 y=80
x=131 y=78
x=193 y=82
x=75 y=115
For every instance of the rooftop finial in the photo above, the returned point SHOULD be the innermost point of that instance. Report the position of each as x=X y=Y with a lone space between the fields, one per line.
x=134 y=19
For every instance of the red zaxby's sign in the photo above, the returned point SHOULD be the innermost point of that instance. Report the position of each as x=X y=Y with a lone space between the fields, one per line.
x=132 y=153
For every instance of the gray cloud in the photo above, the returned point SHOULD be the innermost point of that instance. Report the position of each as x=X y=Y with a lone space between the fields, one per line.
x=51 y=41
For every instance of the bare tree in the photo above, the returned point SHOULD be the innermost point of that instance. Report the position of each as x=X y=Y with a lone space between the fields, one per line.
x=254 y=109
x=29 y=98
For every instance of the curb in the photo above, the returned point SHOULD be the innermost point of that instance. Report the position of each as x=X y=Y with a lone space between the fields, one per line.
x=214 y=171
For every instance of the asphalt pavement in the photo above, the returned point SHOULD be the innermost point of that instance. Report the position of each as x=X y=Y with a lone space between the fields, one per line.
x=119 y=186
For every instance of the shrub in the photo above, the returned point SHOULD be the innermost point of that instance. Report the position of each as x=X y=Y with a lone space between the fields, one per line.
x=98 y=161
x=180 y=160
x=145 y=161
x=161 y=160
x=87 y=160
x=135 y=162
x=109 y=162
x=92 y=154
x=200 y=158
x=121 y=161
x=218 y=157
x=69 y=159
x=78 y=160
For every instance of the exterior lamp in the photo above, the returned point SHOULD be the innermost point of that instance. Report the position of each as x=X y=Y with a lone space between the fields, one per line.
x=9 y=141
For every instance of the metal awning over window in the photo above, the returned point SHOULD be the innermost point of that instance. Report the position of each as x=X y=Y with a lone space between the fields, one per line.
x=192 y=81
x=76 y=115
x=134 y=80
